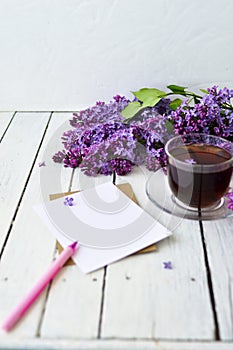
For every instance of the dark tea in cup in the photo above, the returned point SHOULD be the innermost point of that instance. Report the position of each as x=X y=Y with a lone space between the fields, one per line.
x=199 y=169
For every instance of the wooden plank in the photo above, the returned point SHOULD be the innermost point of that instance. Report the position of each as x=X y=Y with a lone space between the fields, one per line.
x=5 y=118
x=77 y=300
x=73 y=306
x=17 y=151
x=73 y=344
x=219 y=242
x=155 y=302
x=57 y=176
x=30 y=247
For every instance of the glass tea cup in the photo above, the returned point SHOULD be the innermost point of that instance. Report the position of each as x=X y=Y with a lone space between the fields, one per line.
x=199 y=170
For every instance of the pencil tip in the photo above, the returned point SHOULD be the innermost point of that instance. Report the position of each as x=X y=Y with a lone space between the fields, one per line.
x=73 y=245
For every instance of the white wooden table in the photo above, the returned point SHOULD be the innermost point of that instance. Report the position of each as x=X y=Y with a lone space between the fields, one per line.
x=131 y=304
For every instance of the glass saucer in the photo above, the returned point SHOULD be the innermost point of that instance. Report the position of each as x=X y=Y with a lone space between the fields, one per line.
x=158 y=191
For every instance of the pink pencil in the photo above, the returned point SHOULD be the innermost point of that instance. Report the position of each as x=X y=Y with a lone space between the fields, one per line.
x=28 y=300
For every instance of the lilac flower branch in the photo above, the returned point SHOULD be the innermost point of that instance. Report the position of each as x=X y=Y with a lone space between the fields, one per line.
x=114 y=137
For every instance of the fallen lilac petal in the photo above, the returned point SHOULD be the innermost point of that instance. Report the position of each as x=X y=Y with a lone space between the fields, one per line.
x=69 y=201
x=230 y=206
x=229 y=196
x=167 y=265
x=42 y=164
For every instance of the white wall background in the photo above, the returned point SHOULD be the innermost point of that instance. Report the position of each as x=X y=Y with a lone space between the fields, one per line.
x=66 y=54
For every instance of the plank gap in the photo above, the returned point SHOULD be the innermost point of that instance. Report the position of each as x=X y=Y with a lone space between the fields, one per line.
x=114 y=178
x=102 y=303
x=7 y=126
x=210 y=283
x=231 y=298
x=71 y=181
x=24 y=188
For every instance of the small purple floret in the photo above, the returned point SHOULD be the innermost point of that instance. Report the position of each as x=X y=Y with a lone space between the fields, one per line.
x=69 y=201
x=229 y=196
x=167 y=265
x=41 y=164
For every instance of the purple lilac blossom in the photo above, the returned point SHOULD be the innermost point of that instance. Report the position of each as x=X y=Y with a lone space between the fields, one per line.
x=100 y=113
x=229 y=196
x=212 y=115
x=152 y=163
x=152 y=120
x=117 y=154
x=59 y=157
x=155 y=149
x=102 y=142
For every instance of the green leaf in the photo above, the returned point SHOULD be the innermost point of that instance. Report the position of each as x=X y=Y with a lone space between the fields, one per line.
x=151 y=103
x=204 y=91
x=169 y=126
x=131 y=110
x=175 y=104
x=149 y=96
x=176 y=89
